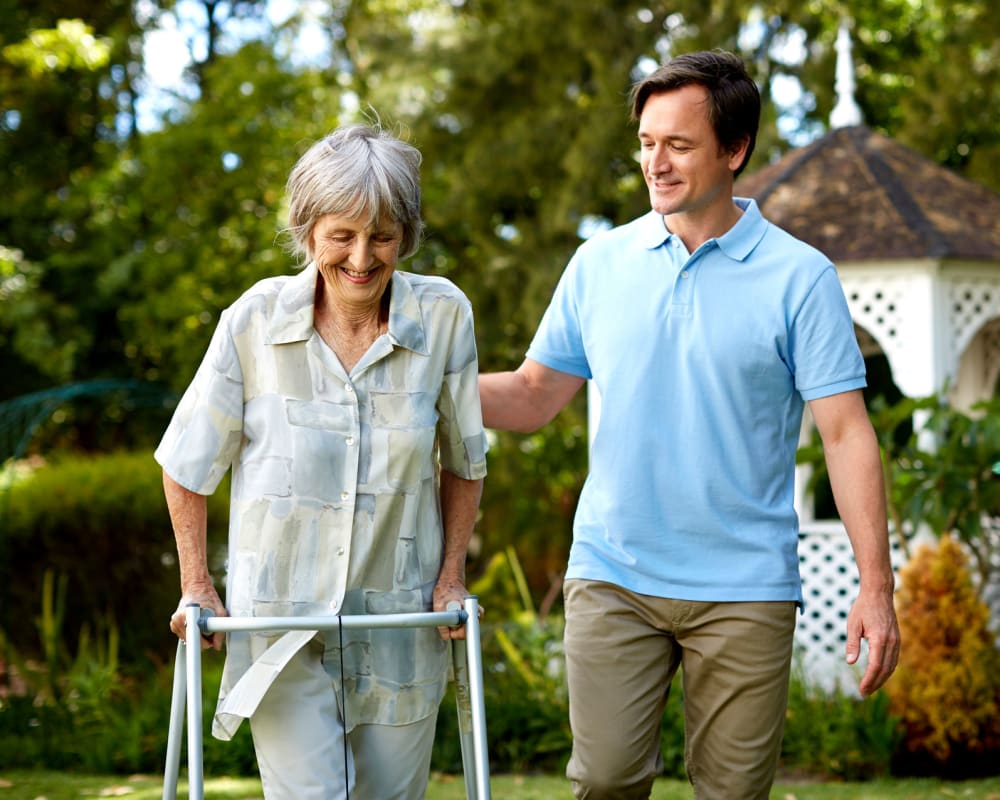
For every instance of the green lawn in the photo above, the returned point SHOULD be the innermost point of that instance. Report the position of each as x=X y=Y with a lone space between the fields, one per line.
x=19 y=785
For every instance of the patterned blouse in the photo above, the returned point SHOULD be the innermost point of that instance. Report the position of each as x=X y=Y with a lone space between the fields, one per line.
x=335 y=504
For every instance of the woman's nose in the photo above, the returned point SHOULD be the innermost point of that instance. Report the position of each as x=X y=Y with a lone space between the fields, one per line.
x=362 y=254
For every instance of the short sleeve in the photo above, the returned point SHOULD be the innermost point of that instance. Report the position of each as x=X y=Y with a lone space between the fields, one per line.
x=558 y=342
x=826 y=359
x=461 y=437
x=204 y=434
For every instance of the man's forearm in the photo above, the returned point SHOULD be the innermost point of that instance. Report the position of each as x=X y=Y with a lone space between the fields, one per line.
x=855 y=469
x=506 y=402
x=526 y=399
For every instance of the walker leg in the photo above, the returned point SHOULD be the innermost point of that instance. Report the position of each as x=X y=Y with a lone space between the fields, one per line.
x=477 y=697
x=459 y=656
x=176 y=730
x=196 y=778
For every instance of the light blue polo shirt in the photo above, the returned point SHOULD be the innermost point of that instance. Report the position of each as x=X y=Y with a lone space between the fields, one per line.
x=703 y=362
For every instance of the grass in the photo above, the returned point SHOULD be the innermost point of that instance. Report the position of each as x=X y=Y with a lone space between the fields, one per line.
x=39 y=785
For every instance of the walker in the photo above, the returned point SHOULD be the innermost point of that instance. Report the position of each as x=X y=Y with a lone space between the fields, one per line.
x=468 y=668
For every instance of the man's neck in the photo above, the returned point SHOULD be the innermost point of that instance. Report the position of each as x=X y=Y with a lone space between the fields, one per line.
x=696 y=228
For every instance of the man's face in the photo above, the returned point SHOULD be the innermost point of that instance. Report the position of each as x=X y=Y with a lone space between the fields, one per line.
x=685 y=167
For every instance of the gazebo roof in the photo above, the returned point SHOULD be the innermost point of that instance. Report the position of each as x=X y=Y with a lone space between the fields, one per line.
x=859 y=196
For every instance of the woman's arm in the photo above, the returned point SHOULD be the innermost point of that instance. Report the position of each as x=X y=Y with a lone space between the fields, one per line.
x=459 y=507
x=189 y=517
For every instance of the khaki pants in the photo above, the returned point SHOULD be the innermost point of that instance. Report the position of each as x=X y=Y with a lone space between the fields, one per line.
x=298 y=735
x=622 y=650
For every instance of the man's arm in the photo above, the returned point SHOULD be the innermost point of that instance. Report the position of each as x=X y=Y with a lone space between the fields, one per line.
x=459 y=506
x=855 y=466
x=189 y=517
x=526 y=399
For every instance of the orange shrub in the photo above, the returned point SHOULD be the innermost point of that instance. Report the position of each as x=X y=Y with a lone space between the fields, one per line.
x=946 y=689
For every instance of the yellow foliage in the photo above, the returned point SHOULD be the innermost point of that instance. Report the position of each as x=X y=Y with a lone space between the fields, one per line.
x=946 y=688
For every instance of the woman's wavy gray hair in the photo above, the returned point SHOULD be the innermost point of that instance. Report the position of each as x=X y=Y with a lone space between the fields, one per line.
x=356 y=171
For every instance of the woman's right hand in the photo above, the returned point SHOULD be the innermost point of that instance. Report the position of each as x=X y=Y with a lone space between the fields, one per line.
x=207 y=598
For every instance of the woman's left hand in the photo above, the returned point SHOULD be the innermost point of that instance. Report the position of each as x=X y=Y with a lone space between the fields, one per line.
x=446 y=591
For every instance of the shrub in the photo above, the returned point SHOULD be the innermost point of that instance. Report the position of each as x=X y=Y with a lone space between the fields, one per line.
x=835 y=734
x=102 y=523
x=527 y=705
x=527 y=711
x=103 y=721
x=947 y=686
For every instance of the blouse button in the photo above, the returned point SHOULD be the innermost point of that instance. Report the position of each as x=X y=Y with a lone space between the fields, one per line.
x=345 y=496
x=350 y=441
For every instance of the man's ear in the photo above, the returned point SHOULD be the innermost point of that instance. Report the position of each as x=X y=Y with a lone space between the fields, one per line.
x=738 y=153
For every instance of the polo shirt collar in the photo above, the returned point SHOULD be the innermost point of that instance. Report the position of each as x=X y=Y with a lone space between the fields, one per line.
x=653 y=230
x=292 y=317
x=737 y=243
x=740 y=240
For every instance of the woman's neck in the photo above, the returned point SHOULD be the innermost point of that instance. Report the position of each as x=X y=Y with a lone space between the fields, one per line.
x=348 y=330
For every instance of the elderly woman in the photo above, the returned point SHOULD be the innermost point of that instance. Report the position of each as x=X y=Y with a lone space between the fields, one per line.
x=345 y=400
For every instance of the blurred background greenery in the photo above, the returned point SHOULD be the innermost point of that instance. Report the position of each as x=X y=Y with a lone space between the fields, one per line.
x=135 y=207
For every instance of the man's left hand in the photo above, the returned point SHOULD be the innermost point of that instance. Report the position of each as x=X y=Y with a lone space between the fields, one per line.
x=873 y=617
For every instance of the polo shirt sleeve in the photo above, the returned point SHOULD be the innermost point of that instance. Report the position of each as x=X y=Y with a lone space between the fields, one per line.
x=203 y=437
x=558 y=342
x=826 y=359
x=461 y=436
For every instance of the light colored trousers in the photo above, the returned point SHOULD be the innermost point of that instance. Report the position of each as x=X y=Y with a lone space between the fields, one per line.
x=622 y=650
x=298 y=735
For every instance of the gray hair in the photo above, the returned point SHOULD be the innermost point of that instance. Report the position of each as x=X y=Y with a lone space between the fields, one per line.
x=356 y=171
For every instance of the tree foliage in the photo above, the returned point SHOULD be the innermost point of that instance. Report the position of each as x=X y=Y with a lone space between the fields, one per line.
x=120 y=244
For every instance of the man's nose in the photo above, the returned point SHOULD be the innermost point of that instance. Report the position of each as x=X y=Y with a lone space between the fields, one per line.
x=659 y=161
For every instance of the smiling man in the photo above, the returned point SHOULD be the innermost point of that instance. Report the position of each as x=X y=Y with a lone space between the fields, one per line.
x=685 y=538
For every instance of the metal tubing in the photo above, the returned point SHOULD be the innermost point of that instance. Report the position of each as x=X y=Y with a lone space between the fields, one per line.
x=428 y=619
x=196 y=777
x=467 y=660
x=176 y=730
x=460 y=664
x=476 y=692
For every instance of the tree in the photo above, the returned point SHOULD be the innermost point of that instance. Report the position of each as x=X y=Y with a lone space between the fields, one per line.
x=119 y=247
x=63 y=85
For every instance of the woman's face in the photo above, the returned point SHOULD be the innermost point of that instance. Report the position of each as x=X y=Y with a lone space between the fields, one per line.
x=355 y=258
